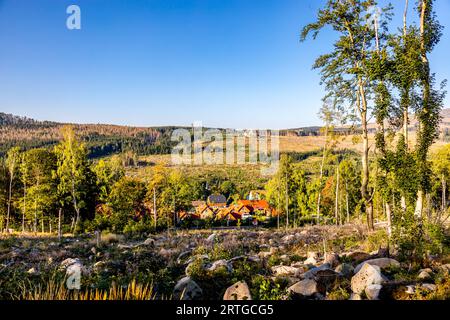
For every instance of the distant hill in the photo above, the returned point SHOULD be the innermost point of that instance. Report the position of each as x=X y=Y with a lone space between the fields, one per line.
x=22 y=122
x=413 y=125
x=104 y=139
x=101 y=139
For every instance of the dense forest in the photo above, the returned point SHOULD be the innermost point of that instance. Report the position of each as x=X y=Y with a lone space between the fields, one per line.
x=101 y=140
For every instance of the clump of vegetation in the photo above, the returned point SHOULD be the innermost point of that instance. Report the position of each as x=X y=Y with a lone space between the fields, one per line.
x=266 y=289
x=56 y=290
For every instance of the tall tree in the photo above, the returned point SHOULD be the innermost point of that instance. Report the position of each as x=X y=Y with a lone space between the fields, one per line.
x=3 y=192
x=72 y=172
x=441 y=168
x=39 y=165
x=24 y=170
x=431 y=100
x=12 y=163
x=127 y=202
x=328 y=115
x=107 y=173
x=345 y=71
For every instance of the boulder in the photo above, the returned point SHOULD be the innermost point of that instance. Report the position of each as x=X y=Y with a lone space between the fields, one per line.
x=187 y=289
x=373 y=291
x=425 y=274
x=196 y=257
x=332 y=259
x=429 y=286
x=288 y=239
x=183 y=256
x=312 y=254
x=305 y=289
x=311 y=274
x=311 y=258
x=238 y=291
x=98 y=266
x=345 y=270
x=286 y=271
x=32 y=271
x=358 y=256
x=220 y=264
x=149 y=242
x=368 y=275
x=355 y=296
x=326 y=278
x=211 y=238
x=383 y=263
x=298 y=264
x=264 y=254
x=254 y=259
x=68 y=262
x=410 y=289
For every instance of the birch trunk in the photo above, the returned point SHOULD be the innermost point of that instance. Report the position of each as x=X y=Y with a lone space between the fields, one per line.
x=389 y=219
x=336 y=203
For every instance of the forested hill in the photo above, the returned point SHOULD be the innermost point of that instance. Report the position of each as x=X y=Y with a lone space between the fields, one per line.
x=101 y=139
x=23 y=122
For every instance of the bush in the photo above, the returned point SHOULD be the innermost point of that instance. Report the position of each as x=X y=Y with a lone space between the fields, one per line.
x=138 y=228
x=266 y=289
x=377 y=240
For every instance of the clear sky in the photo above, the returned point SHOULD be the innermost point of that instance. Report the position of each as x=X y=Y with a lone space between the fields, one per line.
x=227 y=63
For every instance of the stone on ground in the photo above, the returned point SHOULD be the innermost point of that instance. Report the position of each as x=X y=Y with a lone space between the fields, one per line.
x=383 y=263
x=238 y=291
x=373 y=291
x=187 y=289
x=306 y=288
x=368 y=275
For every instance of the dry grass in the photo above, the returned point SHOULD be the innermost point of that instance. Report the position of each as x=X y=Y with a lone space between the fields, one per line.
x=55 y=290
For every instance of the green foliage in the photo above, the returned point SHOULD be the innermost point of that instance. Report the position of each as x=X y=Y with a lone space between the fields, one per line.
x=107 y=172
x=376 y=240
x=127 y=202
x=416 y=239
x=266 y=289
x=75 y=178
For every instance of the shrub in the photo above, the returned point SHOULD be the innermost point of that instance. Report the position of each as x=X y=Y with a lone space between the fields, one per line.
x=266 y=289
x=376 y=240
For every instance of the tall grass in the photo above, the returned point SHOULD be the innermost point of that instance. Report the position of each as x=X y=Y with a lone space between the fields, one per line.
x=56 y=290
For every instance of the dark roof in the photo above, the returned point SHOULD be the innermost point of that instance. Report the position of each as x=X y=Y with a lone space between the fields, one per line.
x=217 y=198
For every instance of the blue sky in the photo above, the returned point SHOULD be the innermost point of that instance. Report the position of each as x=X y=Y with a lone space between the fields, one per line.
x=227 y=63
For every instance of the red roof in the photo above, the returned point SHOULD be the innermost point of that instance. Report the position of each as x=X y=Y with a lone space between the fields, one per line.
x=255 y=204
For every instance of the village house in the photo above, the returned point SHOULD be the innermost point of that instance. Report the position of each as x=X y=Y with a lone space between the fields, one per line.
x=217 y=201
x=216 y=208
